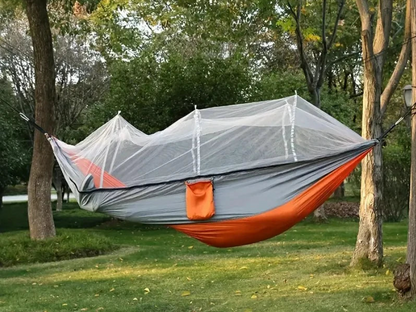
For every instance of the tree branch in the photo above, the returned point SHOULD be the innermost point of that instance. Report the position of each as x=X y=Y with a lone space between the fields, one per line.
x=324 y=43
x=366 y=34
x=299 y=39
x=334 y=31
x=341 y=58
x=400 y=66
x=382 y=33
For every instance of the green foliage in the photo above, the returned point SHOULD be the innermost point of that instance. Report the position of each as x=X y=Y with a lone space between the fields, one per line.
x=152 y=94
x=14 y=154
x=396 y=164
x=18 y=248
x=274 y=85
x=19 y=189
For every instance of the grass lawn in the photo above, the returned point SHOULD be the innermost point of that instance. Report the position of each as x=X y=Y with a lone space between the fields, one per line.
x=159 y=269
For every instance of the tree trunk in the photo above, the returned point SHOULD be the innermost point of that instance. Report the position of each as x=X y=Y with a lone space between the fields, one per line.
x=57 y=182
x=340 y=191
x=411 y=238
x=316 y=97
x=369 y=243
x=319 y=214
x=41 y=223
x=1 y=196
x=59 y=195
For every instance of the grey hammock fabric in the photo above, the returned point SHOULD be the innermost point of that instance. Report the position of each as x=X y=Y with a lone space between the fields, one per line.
x=259 y=155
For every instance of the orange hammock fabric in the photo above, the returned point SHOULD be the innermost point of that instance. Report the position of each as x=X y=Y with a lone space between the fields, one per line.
x=253 y=229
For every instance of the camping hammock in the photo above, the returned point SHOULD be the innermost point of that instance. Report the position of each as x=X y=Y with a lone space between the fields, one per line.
x=227 y=176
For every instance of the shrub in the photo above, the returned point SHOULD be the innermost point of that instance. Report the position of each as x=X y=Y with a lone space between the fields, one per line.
x=396 y=183
x=18 y=248
x=396 y=179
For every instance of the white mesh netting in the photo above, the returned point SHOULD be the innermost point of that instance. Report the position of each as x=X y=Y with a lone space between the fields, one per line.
x=217 y=140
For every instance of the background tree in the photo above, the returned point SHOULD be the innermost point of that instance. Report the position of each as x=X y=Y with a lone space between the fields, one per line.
x=411 y=239
x=375 y=41
x=315 y=30
x=81 y=77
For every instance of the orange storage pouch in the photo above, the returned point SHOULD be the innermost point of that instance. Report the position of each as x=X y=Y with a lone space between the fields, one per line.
x=200 y=200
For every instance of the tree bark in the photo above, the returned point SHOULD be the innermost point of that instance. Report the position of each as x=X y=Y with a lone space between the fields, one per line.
x=411 y=239
x=41 y=222
x=369 y=243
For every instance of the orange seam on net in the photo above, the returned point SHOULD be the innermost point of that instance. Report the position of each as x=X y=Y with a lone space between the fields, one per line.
x=237 y=232
x=87 y=167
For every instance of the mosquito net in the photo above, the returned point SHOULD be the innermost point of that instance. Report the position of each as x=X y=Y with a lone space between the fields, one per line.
x=213 y=141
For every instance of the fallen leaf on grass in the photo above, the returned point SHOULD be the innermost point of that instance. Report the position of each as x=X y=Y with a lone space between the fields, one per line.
x=185 y=293
x=188 y=278
x=369 y=299
x=387 y=272
x=135 y=299
x=190 y=247
x=64 y=304
x=112 y=289
x=254 y=297
x=99 y=309
x=97 y=295
x=238 y=292
x=84 y=309
x=146 y=290
x=243 y=267
x=302 y=288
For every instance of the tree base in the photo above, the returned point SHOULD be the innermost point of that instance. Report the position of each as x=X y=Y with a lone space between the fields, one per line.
x=402 y=279
x=319 y=215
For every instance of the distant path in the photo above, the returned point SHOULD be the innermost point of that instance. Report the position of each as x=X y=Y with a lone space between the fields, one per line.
x=23 y=198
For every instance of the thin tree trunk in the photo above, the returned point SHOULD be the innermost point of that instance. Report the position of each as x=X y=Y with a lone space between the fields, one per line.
x=340 y=191
x=41 y=223
x=1 y=196
x=319 y=214
x=60 y=196
x=316 y=97
x=57 y=182
x=411 y=239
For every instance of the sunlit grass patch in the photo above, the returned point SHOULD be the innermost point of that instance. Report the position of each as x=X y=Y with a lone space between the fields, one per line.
x=158 y=269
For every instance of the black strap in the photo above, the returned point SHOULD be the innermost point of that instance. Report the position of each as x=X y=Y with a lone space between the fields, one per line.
x=25 y=118
x=33 y=123
x=409 y=112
